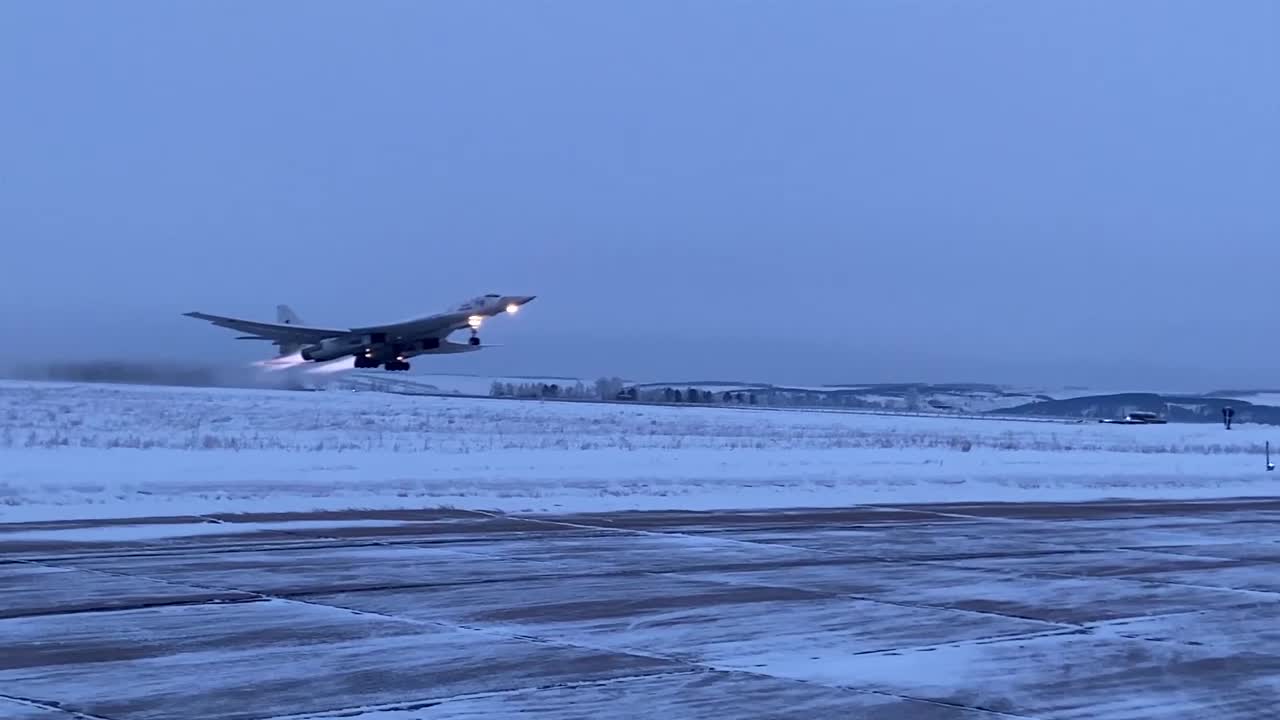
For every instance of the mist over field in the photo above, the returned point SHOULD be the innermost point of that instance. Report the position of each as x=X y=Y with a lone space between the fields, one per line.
x=155 y=372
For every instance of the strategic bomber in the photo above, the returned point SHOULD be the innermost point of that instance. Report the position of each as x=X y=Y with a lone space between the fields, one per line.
x=388 y=346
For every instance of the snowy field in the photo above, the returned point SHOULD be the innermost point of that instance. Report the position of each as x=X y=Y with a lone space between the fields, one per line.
x=80 y=450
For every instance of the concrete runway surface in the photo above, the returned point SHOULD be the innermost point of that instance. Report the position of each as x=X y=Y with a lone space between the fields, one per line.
x=1100 y=611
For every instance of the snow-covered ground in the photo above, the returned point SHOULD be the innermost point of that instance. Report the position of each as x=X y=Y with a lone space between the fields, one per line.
x=79 y=450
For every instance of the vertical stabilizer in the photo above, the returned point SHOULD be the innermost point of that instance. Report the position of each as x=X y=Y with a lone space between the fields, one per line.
x=286 y=316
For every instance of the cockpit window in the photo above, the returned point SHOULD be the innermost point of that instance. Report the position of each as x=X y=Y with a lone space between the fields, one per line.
x=493 y=295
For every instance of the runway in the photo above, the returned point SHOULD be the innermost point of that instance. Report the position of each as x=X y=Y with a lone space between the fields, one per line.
x=928 y=612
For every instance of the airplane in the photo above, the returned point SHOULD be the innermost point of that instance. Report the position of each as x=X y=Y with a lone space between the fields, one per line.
x=389 y=346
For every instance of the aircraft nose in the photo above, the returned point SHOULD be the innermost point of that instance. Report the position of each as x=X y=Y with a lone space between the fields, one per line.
x=513 y=302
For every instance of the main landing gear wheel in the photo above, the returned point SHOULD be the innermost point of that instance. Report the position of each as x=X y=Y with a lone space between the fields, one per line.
x=365 y=363
x=395 y=365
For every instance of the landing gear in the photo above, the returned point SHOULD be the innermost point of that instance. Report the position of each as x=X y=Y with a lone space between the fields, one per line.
x=369 y=359
x=475 y=339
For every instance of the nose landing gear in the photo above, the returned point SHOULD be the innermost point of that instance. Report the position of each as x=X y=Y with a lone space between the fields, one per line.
x=475 y=338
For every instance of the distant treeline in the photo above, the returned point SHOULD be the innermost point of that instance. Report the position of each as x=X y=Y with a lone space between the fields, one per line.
x=614 y=388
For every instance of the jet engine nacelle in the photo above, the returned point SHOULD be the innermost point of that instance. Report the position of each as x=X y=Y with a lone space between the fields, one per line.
x=334 y=348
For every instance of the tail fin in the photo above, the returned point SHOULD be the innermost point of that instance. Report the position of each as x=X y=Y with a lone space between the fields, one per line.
x=286 y=316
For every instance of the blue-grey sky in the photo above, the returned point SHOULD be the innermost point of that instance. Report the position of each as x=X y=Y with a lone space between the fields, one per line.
x=1063 y=191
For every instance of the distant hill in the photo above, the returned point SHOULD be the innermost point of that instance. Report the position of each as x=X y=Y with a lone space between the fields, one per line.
x=922 y=397
x=1176 y=408
x=944 y=398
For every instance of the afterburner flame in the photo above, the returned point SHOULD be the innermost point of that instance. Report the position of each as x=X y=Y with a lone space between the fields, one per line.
x=295 y=362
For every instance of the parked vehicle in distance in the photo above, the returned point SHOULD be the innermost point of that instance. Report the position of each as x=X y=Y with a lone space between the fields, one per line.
x=1139 y=418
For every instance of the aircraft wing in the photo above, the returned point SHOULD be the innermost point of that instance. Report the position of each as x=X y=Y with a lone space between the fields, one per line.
x=434 y=326
x=278 y=332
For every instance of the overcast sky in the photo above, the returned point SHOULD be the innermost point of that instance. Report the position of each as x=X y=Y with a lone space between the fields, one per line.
x=1009 y=191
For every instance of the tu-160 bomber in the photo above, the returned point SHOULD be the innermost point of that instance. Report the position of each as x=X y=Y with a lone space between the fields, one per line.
x=388 y=346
